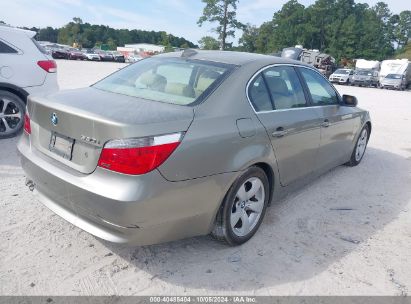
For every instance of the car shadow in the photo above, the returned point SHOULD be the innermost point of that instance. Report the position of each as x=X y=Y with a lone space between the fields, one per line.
x=301 y=236
x=9 y=159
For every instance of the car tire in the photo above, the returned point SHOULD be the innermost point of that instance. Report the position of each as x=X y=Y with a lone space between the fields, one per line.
x=12 y=110
x=247 y=200
x=360 y=147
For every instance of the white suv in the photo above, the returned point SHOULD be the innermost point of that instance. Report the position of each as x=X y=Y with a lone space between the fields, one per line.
x=25 y=69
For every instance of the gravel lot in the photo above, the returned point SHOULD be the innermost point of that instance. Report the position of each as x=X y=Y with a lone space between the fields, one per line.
x=304 y=247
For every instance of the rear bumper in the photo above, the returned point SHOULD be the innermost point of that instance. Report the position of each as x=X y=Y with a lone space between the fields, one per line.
x=119 y=208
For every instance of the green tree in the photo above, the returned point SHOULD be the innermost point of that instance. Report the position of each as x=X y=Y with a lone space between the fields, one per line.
x=209 y=43
x=222 y=12
x=266 y=40
x=89 y=35
x=342 y=28
x=405 y=52
x=112 y=45
x=403 y=29
x=248 y=42
x=77 y=20
x=289 y=24
x=47 y=34
x=321 y=17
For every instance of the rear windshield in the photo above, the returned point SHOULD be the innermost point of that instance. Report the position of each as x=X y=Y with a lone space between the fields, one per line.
x=171 y=80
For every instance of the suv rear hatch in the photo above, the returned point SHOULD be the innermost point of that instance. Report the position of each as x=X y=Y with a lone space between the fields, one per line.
x=73 y=126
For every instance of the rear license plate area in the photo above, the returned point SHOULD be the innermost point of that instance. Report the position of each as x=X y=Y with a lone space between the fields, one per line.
x=61 y=145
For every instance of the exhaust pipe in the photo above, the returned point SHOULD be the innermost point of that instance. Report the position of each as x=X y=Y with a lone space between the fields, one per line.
x=30 y=184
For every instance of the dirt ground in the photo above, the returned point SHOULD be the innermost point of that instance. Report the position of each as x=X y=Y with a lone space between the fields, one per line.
x=306 y=246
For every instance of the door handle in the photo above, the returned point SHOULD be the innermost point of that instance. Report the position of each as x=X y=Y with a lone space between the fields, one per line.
x=325 y=124
x=280 y=132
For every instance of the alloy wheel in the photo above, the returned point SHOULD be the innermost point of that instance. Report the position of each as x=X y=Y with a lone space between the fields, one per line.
x=361 y=145
x=247 y=207
x=11 y=116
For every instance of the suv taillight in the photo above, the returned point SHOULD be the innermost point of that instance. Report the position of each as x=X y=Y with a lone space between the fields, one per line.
x=136 y=156
x=49 y=66
x=27 y=125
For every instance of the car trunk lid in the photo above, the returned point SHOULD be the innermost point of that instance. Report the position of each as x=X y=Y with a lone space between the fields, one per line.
x=73 y=126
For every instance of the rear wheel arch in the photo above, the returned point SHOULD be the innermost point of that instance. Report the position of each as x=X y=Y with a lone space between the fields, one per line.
x=219 y=229
x=12 y=113
x=21 y=93
x=368 y=123
x=269 y=172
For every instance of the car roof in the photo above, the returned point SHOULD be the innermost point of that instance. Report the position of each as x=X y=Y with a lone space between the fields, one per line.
x=229 y=57
x=14 y=30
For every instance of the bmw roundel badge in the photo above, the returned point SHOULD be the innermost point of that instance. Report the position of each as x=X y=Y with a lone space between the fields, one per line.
x=54 y=119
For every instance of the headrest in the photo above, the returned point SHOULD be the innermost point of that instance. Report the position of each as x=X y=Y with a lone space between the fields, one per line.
x=153 y=81
x=277 y=85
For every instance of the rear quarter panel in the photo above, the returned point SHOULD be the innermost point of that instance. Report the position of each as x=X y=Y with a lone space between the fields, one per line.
x=22 y=66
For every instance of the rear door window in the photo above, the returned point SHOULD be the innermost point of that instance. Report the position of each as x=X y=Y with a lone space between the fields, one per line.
x=285 y=87
x=259 y=96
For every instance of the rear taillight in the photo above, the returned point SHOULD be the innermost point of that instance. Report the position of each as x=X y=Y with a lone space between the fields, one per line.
x=137 y=156
x=27 y=126
x=49 y=66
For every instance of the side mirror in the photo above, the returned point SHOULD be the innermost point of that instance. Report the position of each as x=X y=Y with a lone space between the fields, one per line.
x=349 y=101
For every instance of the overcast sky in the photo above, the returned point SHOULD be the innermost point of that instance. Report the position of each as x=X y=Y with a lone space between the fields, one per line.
x=177 y=17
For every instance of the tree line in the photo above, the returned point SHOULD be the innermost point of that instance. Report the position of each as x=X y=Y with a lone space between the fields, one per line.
x=89 y=35
x=342 y=28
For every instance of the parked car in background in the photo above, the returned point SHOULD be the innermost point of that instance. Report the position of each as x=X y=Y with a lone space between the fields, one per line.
x=342 y=76
x=104 y=56
x=365 y=78
x=395 y=66
x=133 y=58
x=118 y=57
x=75 y=54
x=59 y=53
x=199 y=142
x=394 y=81
x=91 y=55
x=25 y=69
x=366 y=73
